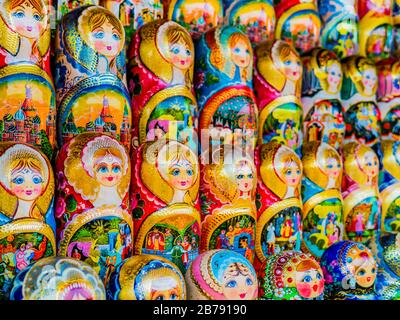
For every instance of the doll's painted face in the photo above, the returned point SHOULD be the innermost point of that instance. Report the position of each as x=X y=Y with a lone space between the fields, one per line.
x=106 y=39
x=240 y=54
x=369 y=80
x=365 y=273
x=238 y=283
x=334 y=77
x=181 y=56
x=26 y=184
x=309 y=283
x=27 y=20
x=332 y=168
x=371 y=164
x=292 y=67
x=165 y=289
x=108 y=170
x=291 y=173
x=181 y=175
x=244 y=177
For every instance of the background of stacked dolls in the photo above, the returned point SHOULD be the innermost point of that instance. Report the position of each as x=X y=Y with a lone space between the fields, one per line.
x=187 y=161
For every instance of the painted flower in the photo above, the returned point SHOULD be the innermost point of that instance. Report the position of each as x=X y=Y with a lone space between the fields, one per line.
x=60 y=207
x=199 y=79
x=279 y=292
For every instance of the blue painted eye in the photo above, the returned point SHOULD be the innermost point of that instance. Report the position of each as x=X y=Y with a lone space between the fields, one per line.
x=247 y=51
x=369 y=164
x=373 y=270
x=37 y=179
x=236 y=50
x=298 y=63
x=188 y=52
x=287 y=63
x=307 y=279
x=319 y=277
x=189 y=172
x=37 y=17
x=361 y=272
x=176 y=172
x=99 y=35
x=116 y=36
x=231 y=284
x=250 y=176
x=19 y=14
x=160 y=297
x=175 y=50
x=173 y=297
x=102 y=169
x=368 y=77
x=116 y=169
x=329 y=166
x=18 y=180
x=249 y=282
x=240 y=176
x=289 y=172
x=298 y=171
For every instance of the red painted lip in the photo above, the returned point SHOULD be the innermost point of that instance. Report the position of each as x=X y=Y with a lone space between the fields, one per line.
x=183 y=62
x=110 y=178
x=368 y=279
x=109 y=48
x=29 y=28
x=183 y=183
x=315 y=287
x=293 y=180
x=28 y=192
x=242 y=295
x=242 y=61
x=246 y=185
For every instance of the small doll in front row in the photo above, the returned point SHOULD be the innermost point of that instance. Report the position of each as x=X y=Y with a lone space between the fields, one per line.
x=94 y=224
x=277 y=86
x=290 y=275
x=361 y=199
x=221 y=275
x=322 y=200
x=349 y=271
x=27 y=226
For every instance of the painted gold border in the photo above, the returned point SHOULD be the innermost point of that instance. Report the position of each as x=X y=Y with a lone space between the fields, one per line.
x=318 y=198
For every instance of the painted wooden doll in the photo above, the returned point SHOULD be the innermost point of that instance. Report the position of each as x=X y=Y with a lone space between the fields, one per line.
x=161 y=83
x=322 y=82
x=389 y=184
x=389 y=98
x=279 y=205
x=92 y=208
x=358 y=95
x=376 y=28
x=134 y=14
x=221 y=275
x=396 y=28
x=28 y=112
x=277 y=85
x=90 y=75
x=27 y=226
x=290 y=275
x=361 y=201
x=350 y=272
x=321 y=195
x=340 y=26
x=298 y=23
x=254 y=17
x=197 y=16
x=386 y=251
x=164 y=197
x=227 y=191
x=58 y=278
x=146 y=277
x=223 y=83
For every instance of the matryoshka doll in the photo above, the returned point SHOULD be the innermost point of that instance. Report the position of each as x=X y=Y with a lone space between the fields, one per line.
x=92 y=209
x=389 y=97
x=254 y=17
x=321 y=195
x=386 y=251
x=290 y=275
x=389 y=184
x=358 y=95
x=361 y=200
x=90 y=75
x=376 y=28
x=58 y=278
x=350 y=272
x=161 y=83
x=28 y=112
x=227 y=189
x=279 y=205
x=322 y=82
x=298 y=23
x=396 y=28
x=277 y=86
x=197 y=16
x=221 y=275
x=223 y=84
x=340 y=26
x=27 y=226
x=164 y=197
x=134 y=14
x=146 y=277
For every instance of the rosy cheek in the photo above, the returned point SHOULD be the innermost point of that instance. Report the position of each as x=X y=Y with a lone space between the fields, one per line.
x=18 y=190
x=37 y=189
x=99 y=45
x=321 y=286
x=304 y=289
x=175 y=59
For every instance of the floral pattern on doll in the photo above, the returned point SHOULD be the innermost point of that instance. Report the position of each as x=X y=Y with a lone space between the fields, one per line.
x=26 y=31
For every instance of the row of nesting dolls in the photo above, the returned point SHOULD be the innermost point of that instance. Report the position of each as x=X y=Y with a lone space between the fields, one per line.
x=106 y=209
x=346 y=271
x=347 y=27
x=91 y=95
